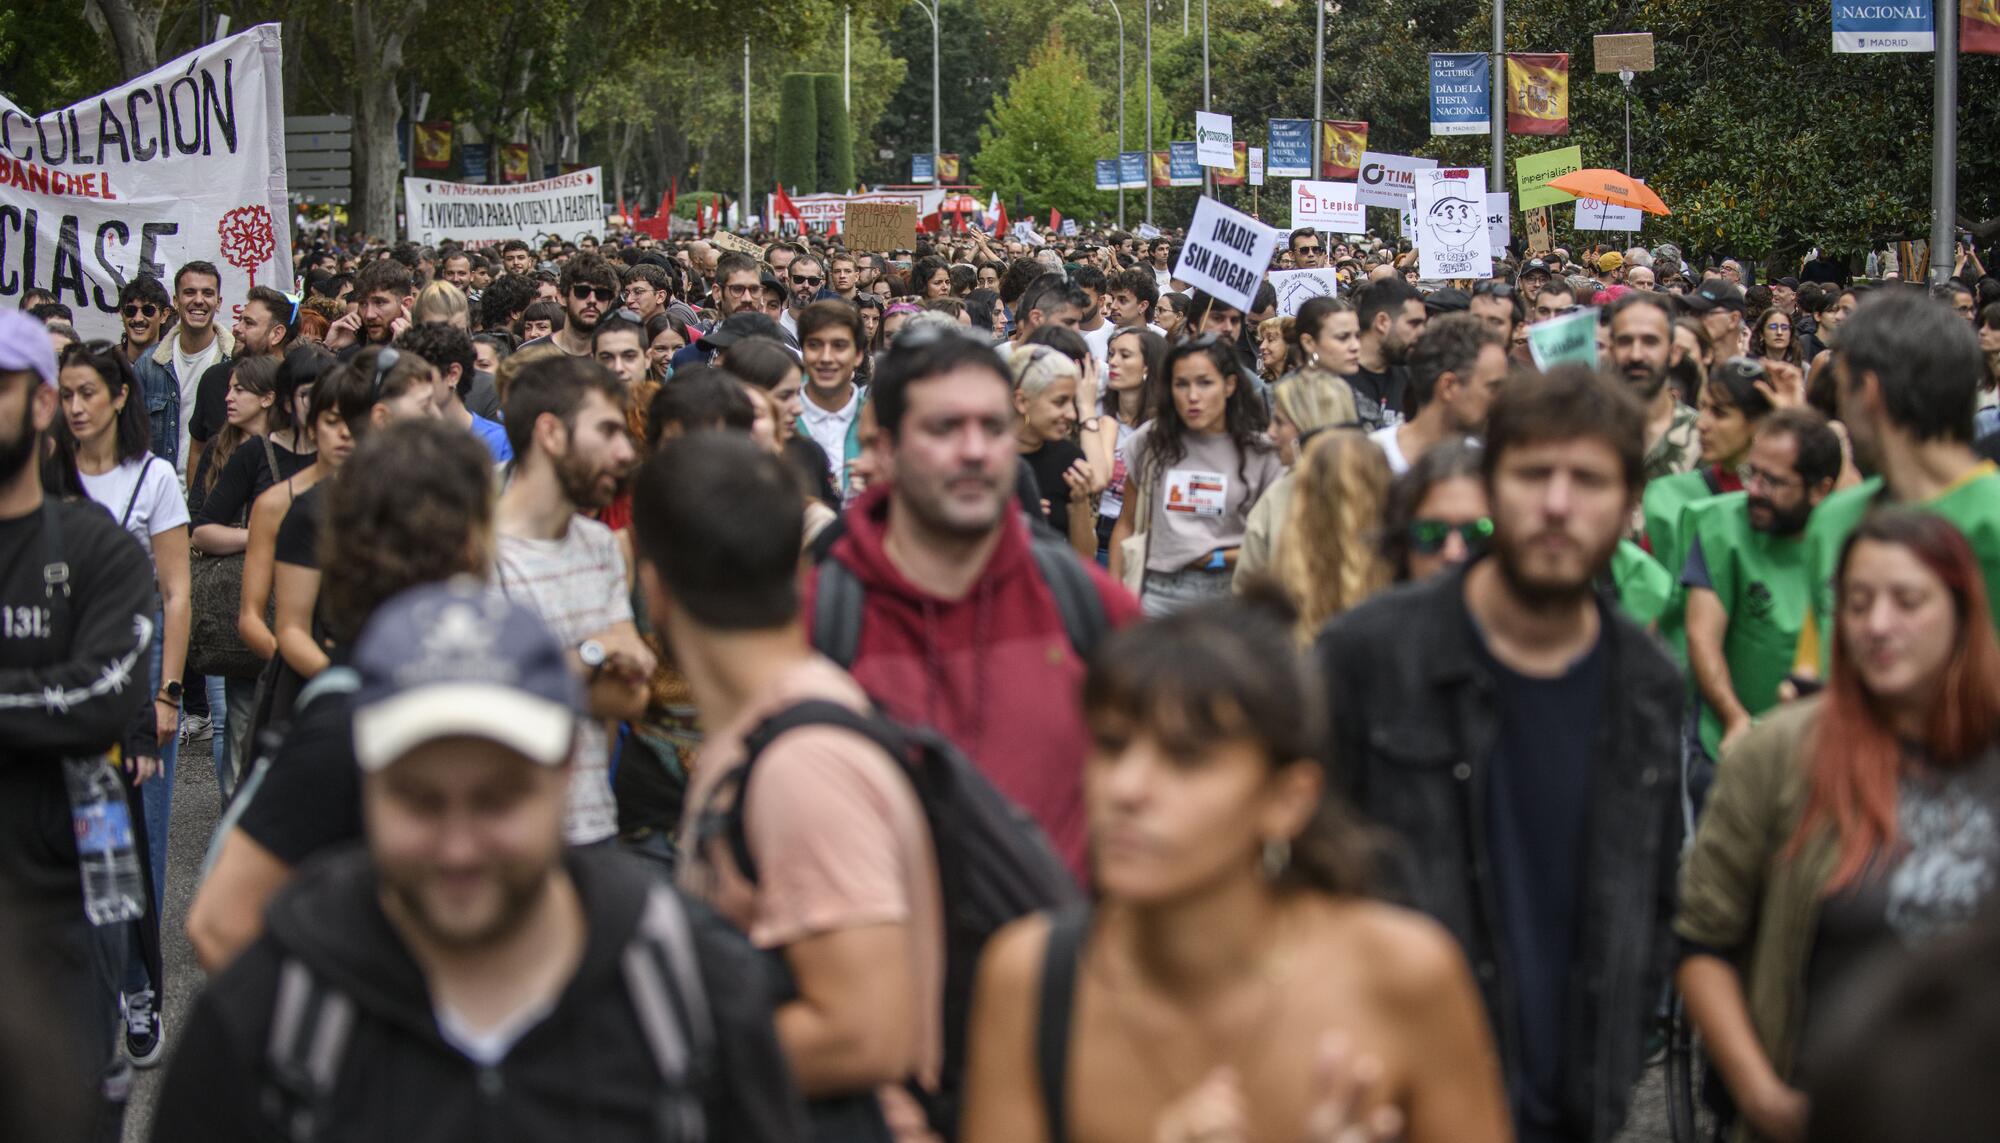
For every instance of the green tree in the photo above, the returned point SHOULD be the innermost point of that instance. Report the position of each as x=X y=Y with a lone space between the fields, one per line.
x=798 y=133
x=969 y=76
x=836 y=136
x=1043 y=137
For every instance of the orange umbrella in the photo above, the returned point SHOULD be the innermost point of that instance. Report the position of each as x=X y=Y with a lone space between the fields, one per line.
x=1614 y=187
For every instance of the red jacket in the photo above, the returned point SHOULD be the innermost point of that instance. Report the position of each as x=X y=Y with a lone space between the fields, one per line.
x=994 y=671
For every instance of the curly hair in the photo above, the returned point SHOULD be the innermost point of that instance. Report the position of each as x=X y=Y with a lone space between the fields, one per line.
x=417 y=508
x=1329 y=559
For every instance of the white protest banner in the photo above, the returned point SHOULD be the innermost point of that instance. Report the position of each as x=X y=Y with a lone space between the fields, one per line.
x=1594 y=215
x=185 y=163
x=1327 y=206
x=1297 y=287
x=1386 y=179
x=1226 y=253
x=1148 y=230
x=1406 y=220
x=1214 y=140
x=1256 y=166
x=1451 y=210
x=567 y=207
x=1499 y=222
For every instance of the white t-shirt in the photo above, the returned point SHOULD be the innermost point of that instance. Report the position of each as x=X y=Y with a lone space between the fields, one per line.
x=188 y=371
x=1099 y=340
x=1393 y=448
x=148 y=485
x=829 y=430
x=578 y=586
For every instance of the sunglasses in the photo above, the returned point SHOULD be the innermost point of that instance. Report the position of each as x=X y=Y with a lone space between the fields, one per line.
x=134 y=309
x=1429 y=536
x=586 y=293
x=385 y=360
x=1493 y=289
x=1305 y=249
x=807 y=280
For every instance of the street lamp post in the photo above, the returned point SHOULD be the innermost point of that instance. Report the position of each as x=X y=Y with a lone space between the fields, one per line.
x=1149 y=112
x=1121 y=112
x=744 y=215
x=937 y=98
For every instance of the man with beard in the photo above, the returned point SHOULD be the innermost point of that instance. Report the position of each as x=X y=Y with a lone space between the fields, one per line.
x=589 y=289
x=77 y=594
x=1455 y=372
x=1392 y=315
x=1642 y=342
x=958 y=625
x=1746 y=572
x=384 y=292
x=263 y=328
x=465 y=967
x=565 y=422
x=1521 y=738
x=170 y=372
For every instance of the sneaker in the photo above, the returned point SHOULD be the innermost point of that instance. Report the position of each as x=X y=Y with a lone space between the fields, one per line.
x=195 y=728
x=145 y=1035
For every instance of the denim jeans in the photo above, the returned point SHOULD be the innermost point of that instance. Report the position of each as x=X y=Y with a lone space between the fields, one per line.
x=1168 y=592
x=218 y=736
x=241 y=696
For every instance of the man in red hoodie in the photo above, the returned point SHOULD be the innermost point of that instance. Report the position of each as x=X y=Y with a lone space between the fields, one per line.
x=960 y=626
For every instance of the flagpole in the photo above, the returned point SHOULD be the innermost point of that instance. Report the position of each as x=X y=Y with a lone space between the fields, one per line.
x=1149 y=112
x=1944 y=142
x=1496 y=95
x=745 y=215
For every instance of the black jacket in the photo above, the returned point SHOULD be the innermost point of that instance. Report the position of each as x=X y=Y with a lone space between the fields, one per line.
x=1414 y=725
x=584 y=1072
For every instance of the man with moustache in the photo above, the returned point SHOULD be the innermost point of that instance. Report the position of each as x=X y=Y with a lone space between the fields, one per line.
x=1392 y=316
x=170 y=373
x=589 y=290
x=1746 y=572
x=1642 y=342
x=144 y=309
x=1522 y=738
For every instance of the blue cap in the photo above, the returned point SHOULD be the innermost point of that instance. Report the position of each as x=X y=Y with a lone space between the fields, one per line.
x=456 y=659
x=25 y=345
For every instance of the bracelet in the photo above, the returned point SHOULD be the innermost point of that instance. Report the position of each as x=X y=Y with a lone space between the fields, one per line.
x=175 y=703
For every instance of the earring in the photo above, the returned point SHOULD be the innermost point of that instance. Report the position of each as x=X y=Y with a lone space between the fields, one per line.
x=1277 y=857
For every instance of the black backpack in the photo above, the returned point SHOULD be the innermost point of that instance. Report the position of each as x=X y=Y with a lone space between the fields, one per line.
x=994 y=864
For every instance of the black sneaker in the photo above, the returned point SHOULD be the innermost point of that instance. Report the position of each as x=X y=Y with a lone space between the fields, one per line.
x=144 y=1034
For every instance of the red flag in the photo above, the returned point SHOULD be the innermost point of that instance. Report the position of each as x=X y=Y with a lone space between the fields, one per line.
x=1000 y=217
x=669 y=197
x=701 y=217
x=783 y=205
x=622 y=215
x=1979 y=27
x=1055 y=220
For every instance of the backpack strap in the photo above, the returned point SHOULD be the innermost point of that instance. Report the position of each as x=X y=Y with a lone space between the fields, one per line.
x=730 y=823
x=837 y=606
x=1068 y=928
x=1077 y=601
x=136 y=486
x=663 y=976
x=331 y=681
x=310 y=1028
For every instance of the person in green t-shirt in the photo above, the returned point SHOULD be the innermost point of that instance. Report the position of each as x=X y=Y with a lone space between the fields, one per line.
x=1745 y=573
x=1906 y=375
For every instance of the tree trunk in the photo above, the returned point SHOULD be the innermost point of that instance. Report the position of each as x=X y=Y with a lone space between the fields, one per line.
x=568 y=113
x=378 y=105
x=132 y=30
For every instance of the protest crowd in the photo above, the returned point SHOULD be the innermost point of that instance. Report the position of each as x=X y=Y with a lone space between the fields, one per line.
x=733 y=686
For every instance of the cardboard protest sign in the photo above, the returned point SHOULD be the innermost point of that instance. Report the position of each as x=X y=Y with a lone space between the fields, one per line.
x=1388 y=180
x=736 y=244
x=1226 y=253
x=880 y=227
x=1451 y=212
x=1532 y=173
x=1327 y=206
x=185 y=163
x=1499 y=223
x=1540 y=241
x=567 y=207
x=1567 y=340
x=1214 y=139
x=1297 y=287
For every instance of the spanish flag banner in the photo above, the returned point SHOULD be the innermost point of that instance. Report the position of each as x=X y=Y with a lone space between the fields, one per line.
x=1239 y=174
x=513 y=162
x=1342 y=143
x=433 y=146
x=1538 y=94
x=947 y=169
x=1979 y=27
x=1163 y=170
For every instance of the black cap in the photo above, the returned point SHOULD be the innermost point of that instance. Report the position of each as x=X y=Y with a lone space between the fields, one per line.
x=1716 y=294
x=736 y=327
x=1534 y=266
x=1789 y=283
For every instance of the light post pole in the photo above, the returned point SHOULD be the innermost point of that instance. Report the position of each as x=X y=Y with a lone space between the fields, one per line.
x=937 y=98
x=1496 y=96
x=1944 y=144
x=1149 y=112
x=744 y=214
x=1121 y=112
x=1207 y=173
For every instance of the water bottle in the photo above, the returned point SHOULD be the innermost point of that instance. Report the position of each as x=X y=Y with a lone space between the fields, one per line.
x=114 y=889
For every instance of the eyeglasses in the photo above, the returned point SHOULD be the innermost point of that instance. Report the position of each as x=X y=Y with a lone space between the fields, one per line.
x=1493 y=288
x=385 y=360
x=1429 y=536
x=584 y=293
x=134 y=309
x=1754 y=477
x=808 y=280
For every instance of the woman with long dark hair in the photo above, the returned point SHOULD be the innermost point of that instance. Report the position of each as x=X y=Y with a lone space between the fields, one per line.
x=931 y=278
x=1199 y=466
x=1135 y=361
x=1850 y=824
x=1234 y=980
x=1774 y=339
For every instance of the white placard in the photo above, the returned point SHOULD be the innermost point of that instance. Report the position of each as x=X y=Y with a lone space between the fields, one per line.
x=1297 y=287
x=184 y=164
x=1148 y=230
x=1594 y=215
x=1386 y=179
x=1256 y=166
x=1451 y=221
x=1214 y=140
x=1406 y=220
x=1226 y=253
x=567 y=207
x=1499 y=222
x=1327 y=206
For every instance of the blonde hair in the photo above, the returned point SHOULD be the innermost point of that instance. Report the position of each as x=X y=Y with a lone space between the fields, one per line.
x=1329 y=560
x=441 y=301
x=1036 y=367
x=1315 y=398
x=1287 y=330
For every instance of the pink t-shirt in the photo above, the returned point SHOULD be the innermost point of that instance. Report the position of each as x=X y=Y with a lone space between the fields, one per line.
x=841 y=842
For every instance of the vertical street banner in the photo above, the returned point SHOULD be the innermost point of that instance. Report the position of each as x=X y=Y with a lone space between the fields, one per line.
x=1291 y=142
x=1538 y=93
x=1238 y=172
x=433 y=146
x=1107 y=174
x=1183 y=167
x=1452 y=237
x=185 y=163
x=1979 y=27
x=1460 y=93
x=1533 y=172
x=1226 y=253
x=1883 y=26
x=566 y=207
x=513 y=162
x=1256 y=166
x=923 y=169
x=1132 y=170
x=947 y=168
x=1214 y=136
x=1342 y=143
x=1162 y=169
x=474 y=157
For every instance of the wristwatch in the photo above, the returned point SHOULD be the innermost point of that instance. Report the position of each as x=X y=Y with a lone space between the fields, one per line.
x=593 y=655
x=170 y=692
